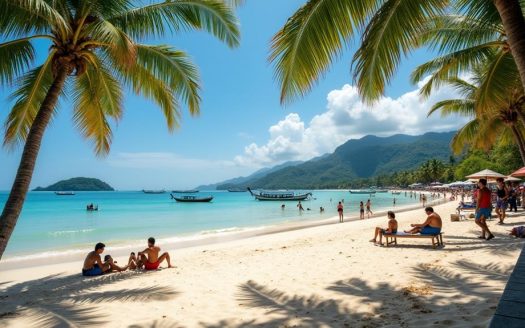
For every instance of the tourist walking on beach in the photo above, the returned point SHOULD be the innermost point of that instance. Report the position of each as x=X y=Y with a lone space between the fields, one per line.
x=340 y=211
x=368 y=208
x=501 y=203
x=361 y=210
x=150 y=259
x=392 y=228
x=484 y=209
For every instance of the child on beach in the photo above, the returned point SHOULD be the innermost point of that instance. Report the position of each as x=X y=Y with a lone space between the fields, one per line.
x=392 y=228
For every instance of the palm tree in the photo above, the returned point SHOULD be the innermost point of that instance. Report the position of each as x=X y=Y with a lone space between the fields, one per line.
x=304 y=48
x=95 y=48
x=488 y=125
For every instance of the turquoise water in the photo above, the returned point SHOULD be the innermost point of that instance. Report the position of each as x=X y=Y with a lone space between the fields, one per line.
x=51 y=223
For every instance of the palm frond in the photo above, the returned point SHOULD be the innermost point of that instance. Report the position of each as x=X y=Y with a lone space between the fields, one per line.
x=450 y=33
x=311 y=39
x=106 y=35
x=498 y=81
x=14 y=15
x=144 y=82
x=451 y=65
x=463 y=107
x=17 y=57
x=213 y=16
x=29 y=95
x=394 y=31
x=465 y=136
x=175 y=69
x=97 y=96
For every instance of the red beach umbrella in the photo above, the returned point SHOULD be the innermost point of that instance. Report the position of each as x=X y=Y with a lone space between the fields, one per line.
x=519 y=173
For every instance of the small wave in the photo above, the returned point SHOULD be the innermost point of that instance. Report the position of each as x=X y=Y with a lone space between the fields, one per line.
x=69 y=232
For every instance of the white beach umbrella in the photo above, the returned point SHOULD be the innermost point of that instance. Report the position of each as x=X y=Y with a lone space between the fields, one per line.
x=486 y=174
x=512 y=179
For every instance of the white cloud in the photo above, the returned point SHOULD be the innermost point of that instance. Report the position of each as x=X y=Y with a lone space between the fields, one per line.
x=347 y=117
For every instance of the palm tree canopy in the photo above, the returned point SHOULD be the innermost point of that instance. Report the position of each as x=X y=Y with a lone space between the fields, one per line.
x=98 y=42
x=316 y=34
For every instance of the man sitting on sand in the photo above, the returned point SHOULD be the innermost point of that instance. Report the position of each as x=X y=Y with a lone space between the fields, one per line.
x=150 y=259
x=431 y=226
x=93 y=265
x=392 y=228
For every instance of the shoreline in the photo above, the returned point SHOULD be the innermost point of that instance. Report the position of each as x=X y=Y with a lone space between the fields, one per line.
x=203 y=238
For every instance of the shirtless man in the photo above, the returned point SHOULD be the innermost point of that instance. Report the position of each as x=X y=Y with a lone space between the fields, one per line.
x=431 y=226
x=150 y=259
x=93 y=265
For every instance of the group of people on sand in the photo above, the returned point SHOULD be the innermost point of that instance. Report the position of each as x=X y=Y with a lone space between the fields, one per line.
x=147 y=259
x=431 y=226
x=483 y=211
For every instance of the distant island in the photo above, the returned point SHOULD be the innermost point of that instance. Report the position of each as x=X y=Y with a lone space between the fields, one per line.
x=77 y=184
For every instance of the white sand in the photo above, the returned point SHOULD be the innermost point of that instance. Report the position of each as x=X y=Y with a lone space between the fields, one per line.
x=325 y=276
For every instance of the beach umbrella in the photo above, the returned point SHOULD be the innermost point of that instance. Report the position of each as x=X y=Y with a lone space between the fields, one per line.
x=519 y=173
x=486 y=174
x=512 y=179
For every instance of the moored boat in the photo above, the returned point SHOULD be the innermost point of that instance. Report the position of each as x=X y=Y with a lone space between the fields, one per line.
x=64 y=193
x=184 y=191
x=236 y=190
x=279 y=195
x=396 y=192
x=192 y=199
x=162 y=191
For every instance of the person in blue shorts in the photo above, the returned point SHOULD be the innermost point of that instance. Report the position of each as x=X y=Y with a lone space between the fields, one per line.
x=93 y=265
x=431 y=226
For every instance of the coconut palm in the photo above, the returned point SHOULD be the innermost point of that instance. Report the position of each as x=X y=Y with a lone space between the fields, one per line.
x=304 y=48
x=96 y=51
x=488 y=125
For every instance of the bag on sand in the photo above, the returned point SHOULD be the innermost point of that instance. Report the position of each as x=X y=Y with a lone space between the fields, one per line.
x=518 y=231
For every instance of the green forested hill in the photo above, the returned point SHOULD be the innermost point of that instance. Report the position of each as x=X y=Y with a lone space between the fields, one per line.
x=357 y=159
x=77 y=184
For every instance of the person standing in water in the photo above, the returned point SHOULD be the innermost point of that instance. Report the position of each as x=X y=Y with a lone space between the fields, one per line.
x=369 y=208
x=300 y=206
x=361 y=210
x=340 y=211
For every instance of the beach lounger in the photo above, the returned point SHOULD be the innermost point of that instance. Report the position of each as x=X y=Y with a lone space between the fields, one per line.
x=437 y=240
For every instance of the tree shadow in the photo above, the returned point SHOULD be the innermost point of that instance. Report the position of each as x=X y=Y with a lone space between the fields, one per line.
x=164 y=323
x=436 y=290
x=71 y=300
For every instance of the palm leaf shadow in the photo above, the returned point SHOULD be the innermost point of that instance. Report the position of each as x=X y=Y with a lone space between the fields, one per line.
x=72 y=300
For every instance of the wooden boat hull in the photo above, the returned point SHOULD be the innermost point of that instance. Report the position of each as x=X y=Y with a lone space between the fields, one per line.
x=294 y=198
x=192 y=199
x=154 y=191
x=64 y=193
x=362 y=192
x=279 y=197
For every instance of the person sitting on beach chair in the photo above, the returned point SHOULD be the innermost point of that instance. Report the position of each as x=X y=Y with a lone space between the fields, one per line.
x=392 y=228
x=150 y=259
x=431 y=226
x=93 y=265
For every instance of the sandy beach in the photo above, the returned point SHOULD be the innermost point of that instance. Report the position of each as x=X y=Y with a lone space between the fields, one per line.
x=322 y=276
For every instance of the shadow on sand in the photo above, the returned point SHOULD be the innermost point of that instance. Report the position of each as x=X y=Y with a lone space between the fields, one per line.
x=438 y=290
x=72 y=300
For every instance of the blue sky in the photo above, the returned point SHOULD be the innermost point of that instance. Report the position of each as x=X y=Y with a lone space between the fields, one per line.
x=242 y=126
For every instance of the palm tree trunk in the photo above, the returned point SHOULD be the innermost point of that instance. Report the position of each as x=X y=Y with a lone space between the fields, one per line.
x=514 y=25
x=519 y=141
x=18 y=193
